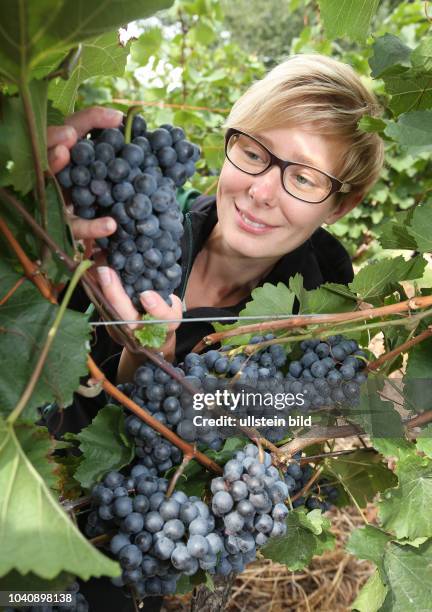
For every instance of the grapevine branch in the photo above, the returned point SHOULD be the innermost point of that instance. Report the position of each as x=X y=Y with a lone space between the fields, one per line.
x=31 y=269
x=31 y=125
x=402 y=348
x=12 y=290
x=307 y=320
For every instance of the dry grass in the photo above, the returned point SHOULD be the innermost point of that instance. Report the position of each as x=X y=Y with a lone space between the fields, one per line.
x=329 y=584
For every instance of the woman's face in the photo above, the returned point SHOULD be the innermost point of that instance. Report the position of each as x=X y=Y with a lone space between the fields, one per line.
x=257 y=217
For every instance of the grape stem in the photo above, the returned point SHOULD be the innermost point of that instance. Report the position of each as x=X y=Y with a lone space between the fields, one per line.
x=145 y=416
x=304 y=321
x=179 y=471
x=31 y=270
x=308 y=485
x=132 y=111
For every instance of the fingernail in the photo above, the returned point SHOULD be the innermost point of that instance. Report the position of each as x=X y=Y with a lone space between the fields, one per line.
x=112 y=113
x=104 y=276
x=109 y=225
x=148 y=299
x=66 y=132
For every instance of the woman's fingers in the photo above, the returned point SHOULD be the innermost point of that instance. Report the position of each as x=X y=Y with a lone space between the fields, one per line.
x=156 y=306
x=61 y=134
x=84 y=229
x=116 y=295
x=58 y=158
x=95 y=117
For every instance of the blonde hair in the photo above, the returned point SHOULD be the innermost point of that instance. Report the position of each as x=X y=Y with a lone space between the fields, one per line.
x=317 y=92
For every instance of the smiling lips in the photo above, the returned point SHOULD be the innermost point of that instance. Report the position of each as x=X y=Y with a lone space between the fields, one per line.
x=252 y=224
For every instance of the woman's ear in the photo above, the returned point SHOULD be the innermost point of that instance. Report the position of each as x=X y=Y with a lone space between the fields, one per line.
x=341 y=209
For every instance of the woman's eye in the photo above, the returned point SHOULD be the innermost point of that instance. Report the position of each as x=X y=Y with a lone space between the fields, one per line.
x=303 y=180
x=252 y=155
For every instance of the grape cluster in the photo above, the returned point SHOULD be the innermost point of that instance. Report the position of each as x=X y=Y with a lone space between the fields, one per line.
x=158 y=538
x=135 y=183
x=329 y=373
x=80 y=605
x=320 y=496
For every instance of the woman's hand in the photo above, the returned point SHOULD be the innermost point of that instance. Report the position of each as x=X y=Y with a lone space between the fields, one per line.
x=61 y=139
x=153 y=304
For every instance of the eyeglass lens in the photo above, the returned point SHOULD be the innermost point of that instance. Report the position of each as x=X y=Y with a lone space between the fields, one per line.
x=300 y=181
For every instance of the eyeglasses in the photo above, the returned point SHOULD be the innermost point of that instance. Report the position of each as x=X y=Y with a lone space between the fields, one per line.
x=301 y=181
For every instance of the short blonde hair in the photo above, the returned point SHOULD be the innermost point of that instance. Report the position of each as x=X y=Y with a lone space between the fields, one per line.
x=312 y=90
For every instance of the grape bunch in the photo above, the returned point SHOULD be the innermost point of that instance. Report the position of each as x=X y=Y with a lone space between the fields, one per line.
x=158 y=539
x=135 y=183
x=320 y=496
x=329 y=373
x=80 y=605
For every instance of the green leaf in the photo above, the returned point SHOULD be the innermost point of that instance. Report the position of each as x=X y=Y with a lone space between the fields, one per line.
x=16 y=154
x=184 y=585
x=14 y=581
x=28 y=507
x=362 y=473
x=148 y=44
x=44 y=31
x=25 y=320
x=369 y=543
x=410 y=91
x=395 y=233
x=376 y=416
x=421 y=57
x=405 y=510
x=297 y=547
x=329 y=298
x=424 y=441
x=376 y=280
x=371 y=124
x=409 y=575
x=417 y=379
x=420 y=224
x=347 y=18
x=153 y=335
x=400 y=448
x=266 y=300
x=412 y=131
x=390 y=56
x=104 y=446
x=103 y=55
x=38 y=446
x=371 y=596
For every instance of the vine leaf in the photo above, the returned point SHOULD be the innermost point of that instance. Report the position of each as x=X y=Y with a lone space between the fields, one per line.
x=104 y=446
x=301 y=541
x=376 y=416
x=409 y=574
x=36 y=534
x=369 y=543
x=405 y=510
x=413 y=132
x=421 y=222
x=390 y=56
x=103 y=55
x=371 y=596
x=25 y=320
x=152 y=336
x=376 y=280
x=266 y=300
x=362 y=473
x=424 y=441
x=417 y=379
x=45 y=31
x=16 y=155
x=39 y=446
x=347 y=17
x=394 y=234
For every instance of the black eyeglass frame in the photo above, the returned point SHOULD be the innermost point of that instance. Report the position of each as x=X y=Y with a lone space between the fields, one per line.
x=338 y=186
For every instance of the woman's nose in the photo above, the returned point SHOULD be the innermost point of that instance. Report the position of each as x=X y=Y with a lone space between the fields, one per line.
x=265 y=187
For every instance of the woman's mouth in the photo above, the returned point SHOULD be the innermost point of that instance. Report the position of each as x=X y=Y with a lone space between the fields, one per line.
x=251 y=224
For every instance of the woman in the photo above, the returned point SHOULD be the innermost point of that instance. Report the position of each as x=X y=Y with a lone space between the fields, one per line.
x=294 y=160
